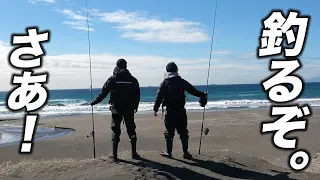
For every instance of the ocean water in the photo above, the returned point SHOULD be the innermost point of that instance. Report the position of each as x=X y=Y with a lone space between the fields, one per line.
x=11 y=134
x=72 y=102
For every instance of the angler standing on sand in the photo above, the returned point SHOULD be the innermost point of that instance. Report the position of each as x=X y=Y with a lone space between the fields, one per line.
x=124 y=101
x=171 y=94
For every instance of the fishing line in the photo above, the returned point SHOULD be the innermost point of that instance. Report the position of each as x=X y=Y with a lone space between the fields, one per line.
x=204 y=108
x=89 y=47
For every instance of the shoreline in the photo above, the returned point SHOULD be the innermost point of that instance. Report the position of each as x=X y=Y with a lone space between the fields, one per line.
x=2 y=119
x=11 y=119
x=231 y=132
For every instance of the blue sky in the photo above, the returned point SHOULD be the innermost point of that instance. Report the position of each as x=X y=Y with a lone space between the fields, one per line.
x=186 y=31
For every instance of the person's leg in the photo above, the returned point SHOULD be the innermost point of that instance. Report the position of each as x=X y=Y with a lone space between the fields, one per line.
x=116 y=132
x=182 y=130
x=131 y=130
x=168 y=134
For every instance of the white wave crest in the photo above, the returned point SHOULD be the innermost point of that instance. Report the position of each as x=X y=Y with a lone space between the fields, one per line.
x=72 y=107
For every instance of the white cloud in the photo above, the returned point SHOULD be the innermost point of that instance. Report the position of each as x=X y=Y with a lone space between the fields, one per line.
x=4 y=50
x=35 y=1
x=141 y=27
x=72 y=70
x=77 y=20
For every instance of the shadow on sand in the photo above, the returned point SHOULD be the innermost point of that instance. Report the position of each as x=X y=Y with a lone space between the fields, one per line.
x=171 y=172
x=234 y=172
x=166 y=171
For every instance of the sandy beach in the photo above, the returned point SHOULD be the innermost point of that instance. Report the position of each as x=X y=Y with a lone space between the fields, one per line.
x=233 y=149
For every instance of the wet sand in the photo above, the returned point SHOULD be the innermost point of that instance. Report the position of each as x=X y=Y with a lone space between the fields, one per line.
x=233 y=149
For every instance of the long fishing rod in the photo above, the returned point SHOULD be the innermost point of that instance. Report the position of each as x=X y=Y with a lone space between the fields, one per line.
x=204 y=108
x=92 y=133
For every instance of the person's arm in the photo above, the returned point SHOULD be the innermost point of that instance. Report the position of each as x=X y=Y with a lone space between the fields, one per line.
x=192 y=90
x=136 y=93
x=103 y=93
x=159 y=97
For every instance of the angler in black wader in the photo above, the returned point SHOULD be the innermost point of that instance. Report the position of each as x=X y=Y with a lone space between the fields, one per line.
x=171 y=94
x=124 y=101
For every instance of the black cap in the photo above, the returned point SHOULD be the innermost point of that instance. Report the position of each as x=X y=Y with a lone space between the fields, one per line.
x=121 y=63
x=172 y=67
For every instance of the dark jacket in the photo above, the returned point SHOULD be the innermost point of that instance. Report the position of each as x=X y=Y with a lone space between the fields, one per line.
x=171 y=93
x=124 y=90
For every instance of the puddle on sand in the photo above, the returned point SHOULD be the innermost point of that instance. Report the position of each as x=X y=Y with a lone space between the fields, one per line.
x=12 y=134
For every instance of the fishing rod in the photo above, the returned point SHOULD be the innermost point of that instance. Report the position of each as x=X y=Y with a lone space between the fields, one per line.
x=204 y=108
x=89 y=47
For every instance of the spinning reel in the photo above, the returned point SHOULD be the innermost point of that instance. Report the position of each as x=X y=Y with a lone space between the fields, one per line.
x=206 y=131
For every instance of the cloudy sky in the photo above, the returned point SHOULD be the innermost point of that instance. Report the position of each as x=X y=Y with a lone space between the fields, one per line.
x=149 y=34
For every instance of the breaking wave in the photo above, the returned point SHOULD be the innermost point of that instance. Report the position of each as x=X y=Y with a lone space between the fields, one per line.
x=62 y=107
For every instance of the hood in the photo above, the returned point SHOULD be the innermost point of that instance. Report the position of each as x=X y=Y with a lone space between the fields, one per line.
x=121 y=72
x=172 y=75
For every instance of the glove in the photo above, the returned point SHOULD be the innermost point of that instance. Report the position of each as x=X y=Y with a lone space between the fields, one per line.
x=203 y=100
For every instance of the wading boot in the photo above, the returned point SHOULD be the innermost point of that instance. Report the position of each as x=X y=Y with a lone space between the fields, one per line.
x=134 y=153
x=114 y=155
x=186 y=154
x=168 y=151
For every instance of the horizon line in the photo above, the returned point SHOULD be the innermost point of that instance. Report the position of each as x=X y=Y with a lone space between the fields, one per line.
x=157 y=86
